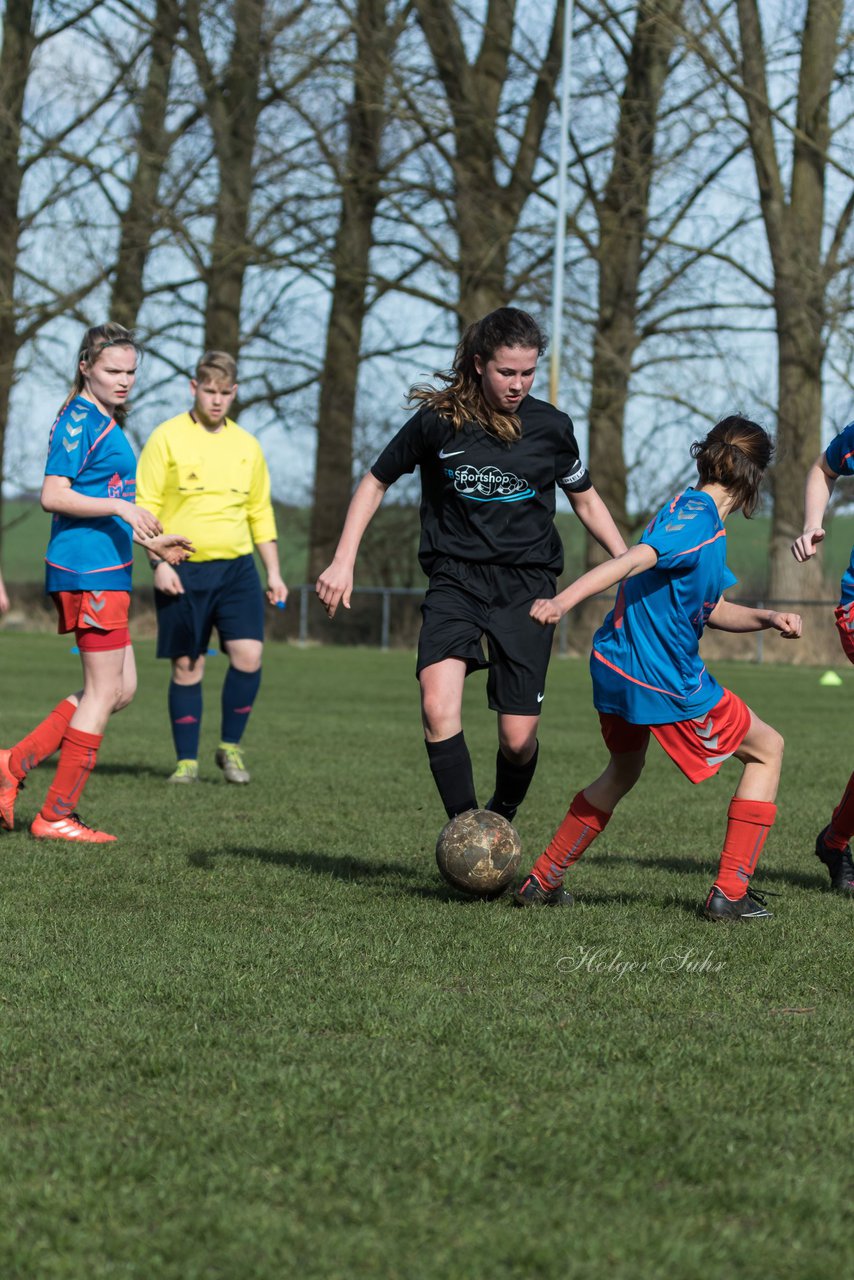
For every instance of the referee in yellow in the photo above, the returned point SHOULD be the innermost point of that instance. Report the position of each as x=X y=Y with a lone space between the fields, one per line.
x=208 y=474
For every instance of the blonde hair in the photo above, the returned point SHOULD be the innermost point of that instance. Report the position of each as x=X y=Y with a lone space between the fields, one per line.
x=462 y=399
x=95 y=341
x=217 y=365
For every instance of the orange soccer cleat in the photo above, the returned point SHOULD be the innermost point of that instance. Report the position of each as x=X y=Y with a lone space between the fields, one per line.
x=70 y=828
x=9 y=788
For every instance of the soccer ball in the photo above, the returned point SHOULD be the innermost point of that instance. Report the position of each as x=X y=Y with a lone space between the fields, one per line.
x=478 y=852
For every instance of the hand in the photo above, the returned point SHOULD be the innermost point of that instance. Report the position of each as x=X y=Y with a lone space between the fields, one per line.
x=173 y=547
x=788 y=624
x=167 y=580
x=334 y=587
x=4 y=599
x=143 y=523
x=805 y=547
x=548 y=612
x=277 y=592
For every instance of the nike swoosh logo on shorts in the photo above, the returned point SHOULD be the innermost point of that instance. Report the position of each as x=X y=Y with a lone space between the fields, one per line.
x=540 y=697
x=453 y=454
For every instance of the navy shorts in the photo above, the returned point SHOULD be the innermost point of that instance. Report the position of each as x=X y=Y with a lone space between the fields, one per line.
x=225 y=594
x=466 y=602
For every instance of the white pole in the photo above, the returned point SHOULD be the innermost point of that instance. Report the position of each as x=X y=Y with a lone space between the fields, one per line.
x=560 y=226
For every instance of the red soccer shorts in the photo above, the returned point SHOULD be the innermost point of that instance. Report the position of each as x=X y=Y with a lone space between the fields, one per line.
x=844 y=614
x=699 y=747
x=99 y=619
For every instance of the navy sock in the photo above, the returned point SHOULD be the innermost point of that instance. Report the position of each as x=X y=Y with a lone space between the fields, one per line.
x=450 y=764
x=238 y=696
x=511 y=783
x=185 y=715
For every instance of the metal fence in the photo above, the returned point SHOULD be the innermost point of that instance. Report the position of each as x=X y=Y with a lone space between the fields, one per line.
x=389 y=617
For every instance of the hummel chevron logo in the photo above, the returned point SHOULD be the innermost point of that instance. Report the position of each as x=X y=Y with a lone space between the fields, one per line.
x=444 y=453
x=77 y=414
x=72 y=431
x=99 y=596
x=69 y=448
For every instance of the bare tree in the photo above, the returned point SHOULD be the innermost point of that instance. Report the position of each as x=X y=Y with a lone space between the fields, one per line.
x=142 y=212
x=376 y=27
x=490 y=186
x=622 y=251
x=807 y=253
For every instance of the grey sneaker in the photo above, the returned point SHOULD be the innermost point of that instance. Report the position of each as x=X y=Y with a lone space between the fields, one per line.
x=230 y=760
x=532 y=894
x=187 y=771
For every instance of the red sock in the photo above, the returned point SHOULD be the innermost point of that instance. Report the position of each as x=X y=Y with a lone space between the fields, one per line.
x=748 y=824
x=77 y=757
x=579 y=829
x=841 y=827
x=42 y=741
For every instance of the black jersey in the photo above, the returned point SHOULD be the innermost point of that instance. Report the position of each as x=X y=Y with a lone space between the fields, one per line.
x=482 y=499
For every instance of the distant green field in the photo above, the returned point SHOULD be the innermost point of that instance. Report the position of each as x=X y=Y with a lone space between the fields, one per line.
x=259 y=1039
x=384 y=563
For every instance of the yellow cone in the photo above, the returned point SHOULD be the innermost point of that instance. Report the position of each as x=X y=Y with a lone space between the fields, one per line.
x=831 y=679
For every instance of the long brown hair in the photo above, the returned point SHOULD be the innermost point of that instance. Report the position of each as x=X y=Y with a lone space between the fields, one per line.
x=95 y=341
x=461 y=399
x=735 y=454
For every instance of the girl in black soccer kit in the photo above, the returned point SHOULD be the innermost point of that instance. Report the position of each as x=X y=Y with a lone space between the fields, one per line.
x=490 y=456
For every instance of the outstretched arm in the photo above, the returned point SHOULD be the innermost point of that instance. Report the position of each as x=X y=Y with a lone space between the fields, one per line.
x=727 y=616
x=597 y=520
x=335 y=584
x=819 y=487
x=636 y=560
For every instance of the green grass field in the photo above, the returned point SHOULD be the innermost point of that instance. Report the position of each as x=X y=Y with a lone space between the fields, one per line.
x=259 y=1038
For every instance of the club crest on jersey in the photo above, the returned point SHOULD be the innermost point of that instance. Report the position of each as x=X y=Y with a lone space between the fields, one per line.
x=115 y=488
x=490 y=484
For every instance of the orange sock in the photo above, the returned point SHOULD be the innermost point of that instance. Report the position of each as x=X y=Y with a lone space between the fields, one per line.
x=748 y=824
x=42 y=741
x=841 y=827
x=77 y=757
x=579 y=829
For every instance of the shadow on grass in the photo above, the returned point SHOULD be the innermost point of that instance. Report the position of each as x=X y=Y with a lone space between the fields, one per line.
x=338 y=867
x=804 y=879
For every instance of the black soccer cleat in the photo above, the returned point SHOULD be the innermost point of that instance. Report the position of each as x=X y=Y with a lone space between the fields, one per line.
x=532 y=894
x=839 y=863
x=751 y=907
x=507 y=811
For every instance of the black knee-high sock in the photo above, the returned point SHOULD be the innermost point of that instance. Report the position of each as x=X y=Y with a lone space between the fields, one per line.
x=511 y=783
x=450 y=764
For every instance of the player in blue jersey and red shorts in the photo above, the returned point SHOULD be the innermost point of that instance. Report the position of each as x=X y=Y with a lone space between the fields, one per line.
x=833 y=844
x=491 y=457
x=649 y=678
x=89 y=487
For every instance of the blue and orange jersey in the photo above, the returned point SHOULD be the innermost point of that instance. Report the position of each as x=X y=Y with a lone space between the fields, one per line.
x=839 y=456
x=646 y=663
x=90 y=449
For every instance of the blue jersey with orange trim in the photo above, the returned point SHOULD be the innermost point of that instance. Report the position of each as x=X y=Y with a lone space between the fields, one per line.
x=839 y=456
x=95 y=553
x=646 y=663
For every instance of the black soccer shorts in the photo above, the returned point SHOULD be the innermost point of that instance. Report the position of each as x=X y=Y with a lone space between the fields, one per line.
x=467 y=601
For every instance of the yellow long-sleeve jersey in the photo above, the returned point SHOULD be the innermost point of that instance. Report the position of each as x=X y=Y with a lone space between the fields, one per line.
x=213 y=487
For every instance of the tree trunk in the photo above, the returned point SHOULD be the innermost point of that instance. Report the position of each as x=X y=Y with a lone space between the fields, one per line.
x=233 y=107
x=623 y=215
x=360 y=193
x=487 y=211
x=139 y=220
x=15 y=61
x=794 y=225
